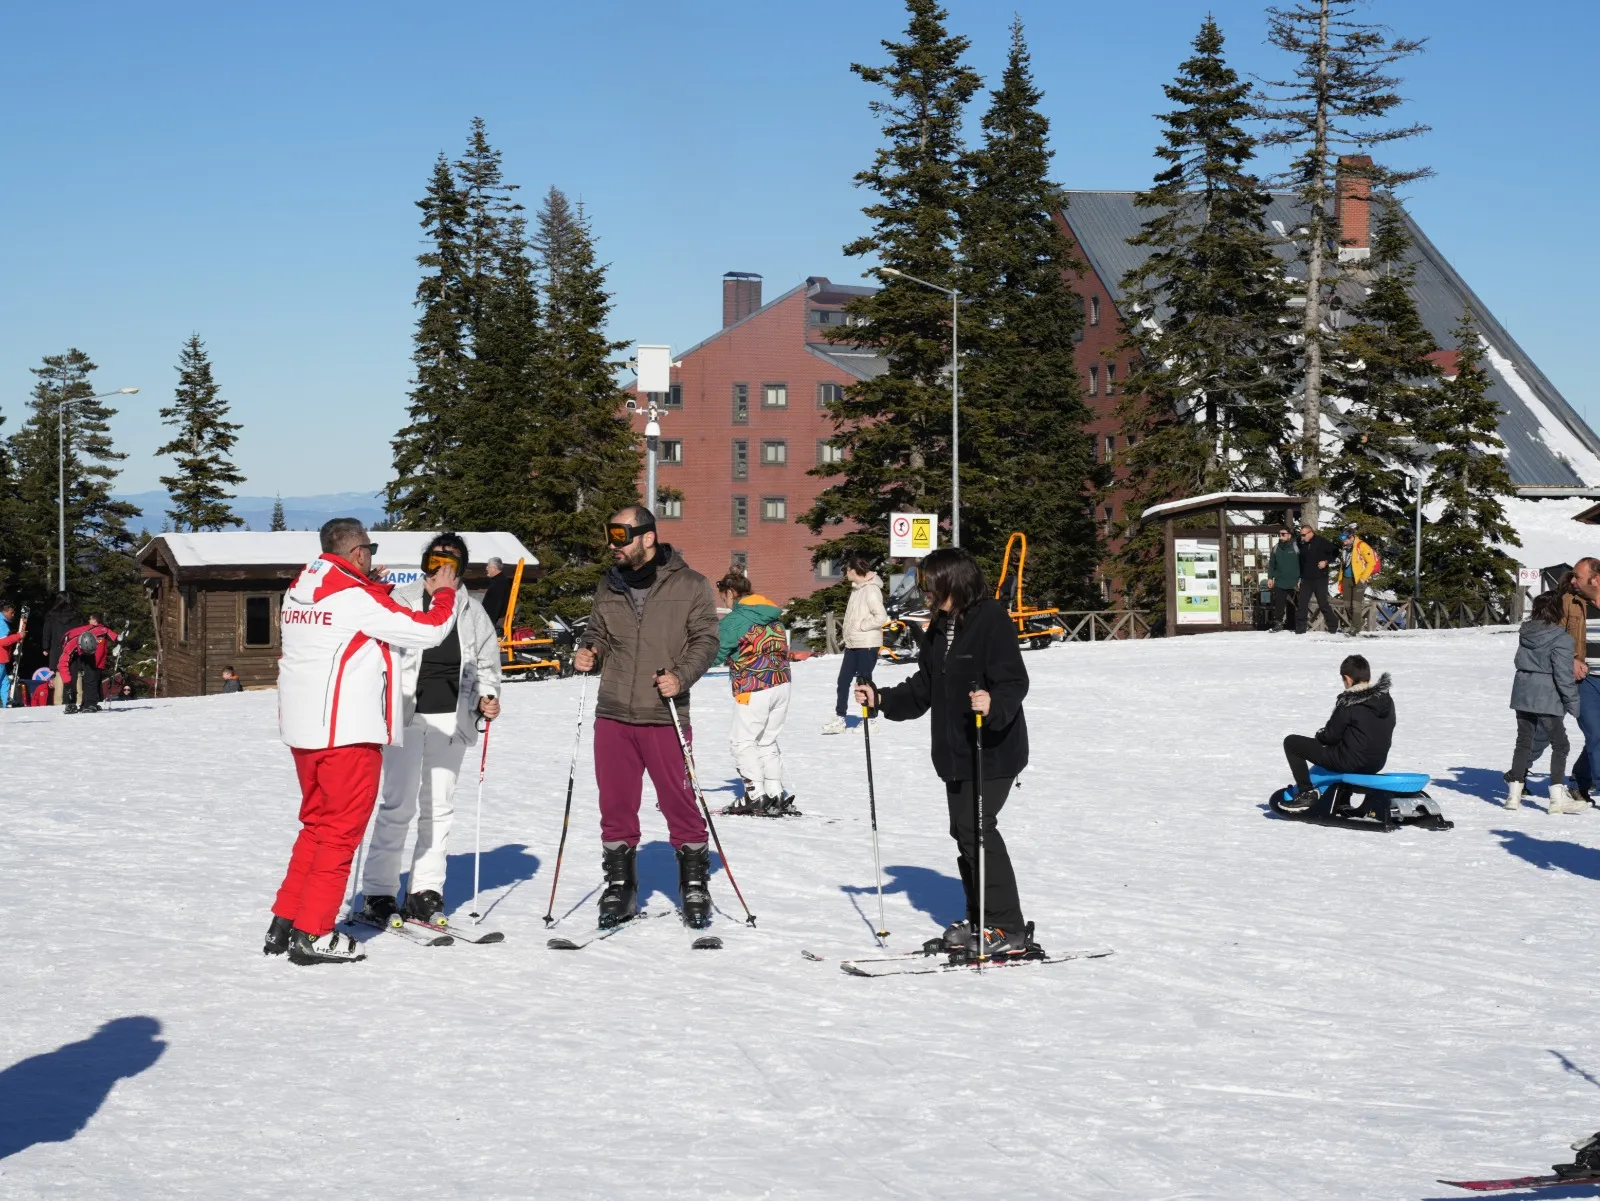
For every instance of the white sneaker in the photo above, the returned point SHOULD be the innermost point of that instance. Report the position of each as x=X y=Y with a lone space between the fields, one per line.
x=1514 y=794
x=1562 y=802
x=836 y=726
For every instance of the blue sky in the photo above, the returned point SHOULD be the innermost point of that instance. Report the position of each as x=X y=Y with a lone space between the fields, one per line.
x=248 y=172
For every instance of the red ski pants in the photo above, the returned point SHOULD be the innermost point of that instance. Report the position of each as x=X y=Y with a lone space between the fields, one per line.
x=338 y=788
x=622 y=755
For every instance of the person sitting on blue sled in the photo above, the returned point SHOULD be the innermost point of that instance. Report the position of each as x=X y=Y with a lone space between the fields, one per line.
x=1355 y=739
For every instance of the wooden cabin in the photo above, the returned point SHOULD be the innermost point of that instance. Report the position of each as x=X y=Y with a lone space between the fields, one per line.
x=215 y=596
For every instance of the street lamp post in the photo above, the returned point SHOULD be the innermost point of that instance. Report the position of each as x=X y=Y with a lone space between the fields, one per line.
x=955 y=396
x=61 y=478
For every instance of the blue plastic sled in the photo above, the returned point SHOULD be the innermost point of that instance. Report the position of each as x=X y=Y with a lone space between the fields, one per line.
x=1388 y=801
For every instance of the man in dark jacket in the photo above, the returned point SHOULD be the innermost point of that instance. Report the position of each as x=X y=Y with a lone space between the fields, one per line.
x=653 y=633
x=62 y=616
x=1316 y=553
x=1356 y=738
x=497 y=594
x=1283 y=577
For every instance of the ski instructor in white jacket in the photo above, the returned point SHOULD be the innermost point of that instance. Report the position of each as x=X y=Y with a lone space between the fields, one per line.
x=445 y=691
x=343 y=640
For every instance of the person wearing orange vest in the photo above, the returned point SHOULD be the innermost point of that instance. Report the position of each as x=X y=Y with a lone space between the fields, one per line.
x=1358 y=563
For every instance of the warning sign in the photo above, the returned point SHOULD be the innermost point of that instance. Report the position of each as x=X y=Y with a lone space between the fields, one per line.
x=912 y=535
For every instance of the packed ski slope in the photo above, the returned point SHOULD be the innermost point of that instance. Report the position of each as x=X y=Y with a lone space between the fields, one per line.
x=1291 y=1011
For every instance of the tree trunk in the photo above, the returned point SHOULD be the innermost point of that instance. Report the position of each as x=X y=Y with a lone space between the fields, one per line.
x=1311 y=400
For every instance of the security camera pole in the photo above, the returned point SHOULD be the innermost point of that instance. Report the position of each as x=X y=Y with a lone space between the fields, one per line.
x=654 y=366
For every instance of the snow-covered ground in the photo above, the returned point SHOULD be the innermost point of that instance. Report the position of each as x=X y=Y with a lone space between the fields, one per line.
x=1292 y=1011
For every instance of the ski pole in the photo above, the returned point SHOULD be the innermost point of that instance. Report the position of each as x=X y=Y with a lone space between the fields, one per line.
x=694 y=782
x=477 y=849
x=577 y=739
x=872 y=808
x=977 y=804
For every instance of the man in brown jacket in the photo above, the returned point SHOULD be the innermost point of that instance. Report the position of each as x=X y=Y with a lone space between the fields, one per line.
x=1581 y=589
x=652 y=633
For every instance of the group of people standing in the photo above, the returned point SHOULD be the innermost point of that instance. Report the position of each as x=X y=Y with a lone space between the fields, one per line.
x=1297 y=574
x=377 y=684
x=78 y=653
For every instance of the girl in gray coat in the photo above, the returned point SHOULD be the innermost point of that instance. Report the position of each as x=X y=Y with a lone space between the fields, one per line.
x=1543 y=692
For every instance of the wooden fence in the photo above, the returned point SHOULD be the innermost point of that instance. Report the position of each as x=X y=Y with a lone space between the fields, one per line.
x=1379 y=615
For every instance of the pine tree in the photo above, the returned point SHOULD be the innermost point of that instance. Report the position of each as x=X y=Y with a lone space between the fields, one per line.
x=101 y=572
x=278 y=524
x=1340 y=88
x=1026 y=462
x=417 y=496
x=584 y=456
x=1206 y=402
x=201 y=448
x=1384 y=371
x=895 y=429
x=1462 y=559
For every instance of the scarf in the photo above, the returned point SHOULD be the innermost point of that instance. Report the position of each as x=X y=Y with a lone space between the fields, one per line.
x=640 y=579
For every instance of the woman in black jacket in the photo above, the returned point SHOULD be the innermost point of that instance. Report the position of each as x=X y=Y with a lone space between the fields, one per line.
x=971 y=663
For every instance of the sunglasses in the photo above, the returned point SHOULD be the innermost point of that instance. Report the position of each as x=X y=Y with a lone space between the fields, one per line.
x=618 y=534
x=434 y=560
x=370 y=547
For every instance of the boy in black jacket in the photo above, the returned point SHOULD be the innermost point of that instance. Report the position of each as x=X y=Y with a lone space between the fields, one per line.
x=971 y=663
x=1356 y=738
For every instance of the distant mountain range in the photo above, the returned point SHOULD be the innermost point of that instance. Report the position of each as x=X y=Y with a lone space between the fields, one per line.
x=299 y=512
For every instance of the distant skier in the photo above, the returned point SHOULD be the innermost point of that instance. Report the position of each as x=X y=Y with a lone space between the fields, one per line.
x=1356 y=737
x=753 y=645
x=338 y=704
x=652 y=613
x=85 y=655
x=10 y=649
x=971 y=663
x=864 y=618
x=445 y=691
x=1542 y=692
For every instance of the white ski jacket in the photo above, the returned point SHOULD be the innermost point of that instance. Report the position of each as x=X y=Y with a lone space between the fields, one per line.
x=480 y=660
x=864 y=613
x=344 y=639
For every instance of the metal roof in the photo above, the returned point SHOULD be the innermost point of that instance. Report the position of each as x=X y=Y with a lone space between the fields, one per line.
x=859 y=362
x=1547 y=443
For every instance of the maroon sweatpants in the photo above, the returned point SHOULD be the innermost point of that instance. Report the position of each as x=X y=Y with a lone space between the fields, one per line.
x=622 y=754
x=338 y=788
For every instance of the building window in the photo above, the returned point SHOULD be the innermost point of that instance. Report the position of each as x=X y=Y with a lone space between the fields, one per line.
x=1094 y=310
x=1111 y=447
x=187 y=599
x=1110 y=509
x=741 y=560
x=774 y=508
x=675 y=396
x=669 y=508
x=670 y=450
x=741 y=404
x=257 y=621
x=1111 y=379
x=828 y=569
x=774 y=396
x=741 y=459
x=828 y=394
x=1129 y=440
x=774 y=454
x=1077 y=331
x=1094 y=379
x=741 y=515
x=827 y=452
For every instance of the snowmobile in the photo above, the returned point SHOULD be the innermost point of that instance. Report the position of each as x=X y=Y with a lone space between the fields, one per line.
x=1389 y=800
x=908 y=623
x=1036 y=628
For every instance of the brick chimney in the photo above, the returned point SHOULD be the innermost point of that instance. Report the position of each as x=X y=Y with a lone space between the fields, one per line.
x=1354 y=208
x=741 y=296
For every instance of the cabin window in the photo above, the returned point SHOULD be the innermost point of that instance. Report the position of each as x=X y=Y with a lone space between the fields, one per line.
x=257 y=621
x=186 y=604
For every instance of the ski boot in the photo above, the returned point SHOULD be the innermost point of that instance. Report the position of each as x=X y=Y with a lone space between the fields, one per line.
x=1586 y=1164
x=779 y=806
x=620 y=901
x=747 y=804
x=954 y=938
x=379 y=911
x=426 y=907
x=69 y=708
x=1000 y=945
x=91 y=707
x=332 y=947
x=277 y=941
x=694 y=884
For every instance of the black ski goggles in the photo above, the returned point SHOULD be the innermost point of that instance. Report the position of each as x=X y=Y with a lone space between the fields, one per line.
x=435 y=559
x=619 y=535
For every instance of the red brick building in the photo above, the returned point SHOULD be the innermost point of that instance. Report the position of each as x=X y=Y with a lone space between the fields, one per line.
x=743 y=425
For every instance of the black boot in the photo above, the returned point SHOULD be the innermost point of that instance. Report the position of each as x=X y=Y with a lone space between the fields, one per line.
x=1587 y=1162
x=620 y=901
x=277 y=941
x=427 y=907
x=378 y=911
x=694 y=884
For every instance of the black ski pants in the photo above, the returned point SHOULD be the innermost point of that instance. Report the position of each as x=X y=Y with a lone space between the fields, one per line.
x=1554 y=728
x=1283 y=609
x=1300 y=750
x=1002 y=907
x=86 y=678
x=1316 y=583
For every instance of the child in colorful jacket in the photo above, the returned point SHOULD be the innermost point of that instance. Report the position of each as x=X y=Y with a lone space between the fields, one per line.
x=753 y=645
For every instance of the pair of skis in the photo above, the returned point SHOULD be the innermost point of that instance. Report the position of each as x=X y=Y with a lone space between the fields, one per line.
x=920 y=963
x=704 y=942
x=426 y=934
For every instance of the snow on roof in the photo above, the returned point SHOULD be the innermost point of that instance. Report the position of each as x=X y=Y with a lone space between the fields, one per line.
x=260 y=548
x=1233 y=500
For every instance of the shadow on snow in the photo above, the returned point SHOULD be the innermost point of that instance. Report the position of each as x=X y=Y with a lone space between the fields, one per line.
x=1550 y=854
x=940 y=896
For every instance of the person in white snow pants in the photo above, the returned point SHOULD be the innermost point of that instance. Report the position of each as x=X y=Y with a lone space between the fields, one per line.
x=445 y=691
x=751 y=641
